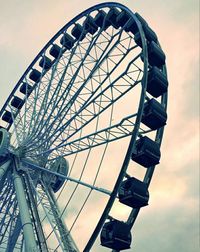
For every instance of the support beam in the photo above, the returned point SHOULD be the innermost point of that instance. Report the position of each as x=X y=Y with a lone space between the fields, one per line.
x=3 y=168
x=61 y=224
x=29 y=164
x=38 y=226
x=30 y=242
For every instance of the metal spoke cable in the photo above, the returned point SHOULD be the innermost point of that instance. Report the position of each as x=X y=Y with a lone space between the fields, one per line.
x=36 y=91
x=70 y=101
x=100 y=95
x=11 y=205
x=80 y=177
x=44 y=208
x=71 y=57
x=14 y=125
x=96 y=176
x=76 y=94
x=88 y=195
x=66 y=182
x=130 y=87
x=71 y=170
x=56 y=91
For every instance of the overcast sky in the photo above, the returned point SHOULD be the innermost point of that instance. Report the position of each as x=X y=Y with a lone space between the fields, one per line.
x=171 y=222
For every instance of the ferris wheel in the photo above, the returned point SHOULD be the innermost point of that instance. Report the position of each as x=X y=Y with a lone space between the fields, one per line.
x=80 y=135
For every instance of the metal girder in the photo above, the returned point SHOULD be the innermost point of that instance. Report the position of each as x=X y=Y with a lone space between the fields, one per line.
x=29 y=235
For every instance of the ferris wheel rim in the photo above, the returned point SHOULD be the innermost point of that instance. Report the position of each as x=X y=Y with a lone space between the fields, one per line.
x=50 y=42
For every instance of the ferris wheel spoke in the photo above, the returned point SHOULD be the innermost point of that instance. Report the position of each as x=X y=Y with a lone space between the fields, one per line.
x=83 y=86
x=48 y=203
x=92 y=90
x=6 y=195
x=74 y=54
x=65 y=233
x=6 y=211
x=14 y=125
x=36 y=101
x=79 y=89
x=91 y=189
x=113 y=133
x=82 y=172
x=76 y=129
x=14 y=234
x=34 y=167
x=84 y=166
x=90 y=108
x=49 y=217
x=47 y=103
x=35 y=93
x=7 y=220
x=44 y=101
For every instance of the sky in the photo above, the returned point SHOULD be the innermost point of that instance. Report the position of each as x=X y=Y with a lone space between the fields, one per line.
x=171 y=222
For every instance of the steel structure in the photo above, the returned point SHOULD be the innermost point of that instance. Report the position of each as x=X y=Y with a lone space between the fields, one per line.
x=100 y=83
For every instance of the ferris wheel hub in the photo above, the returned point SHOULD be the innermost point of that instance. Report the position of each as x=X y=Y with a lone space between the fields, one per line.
x=61 y=166
x=20 y=151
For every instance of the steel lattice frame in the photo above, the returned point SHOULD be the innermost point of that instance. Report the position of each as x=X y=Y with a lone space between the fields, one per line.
x=63 y=116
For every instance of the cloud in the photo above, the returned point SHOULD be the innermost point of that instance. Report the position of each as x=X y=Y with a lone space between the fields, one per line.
x=172 y=229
